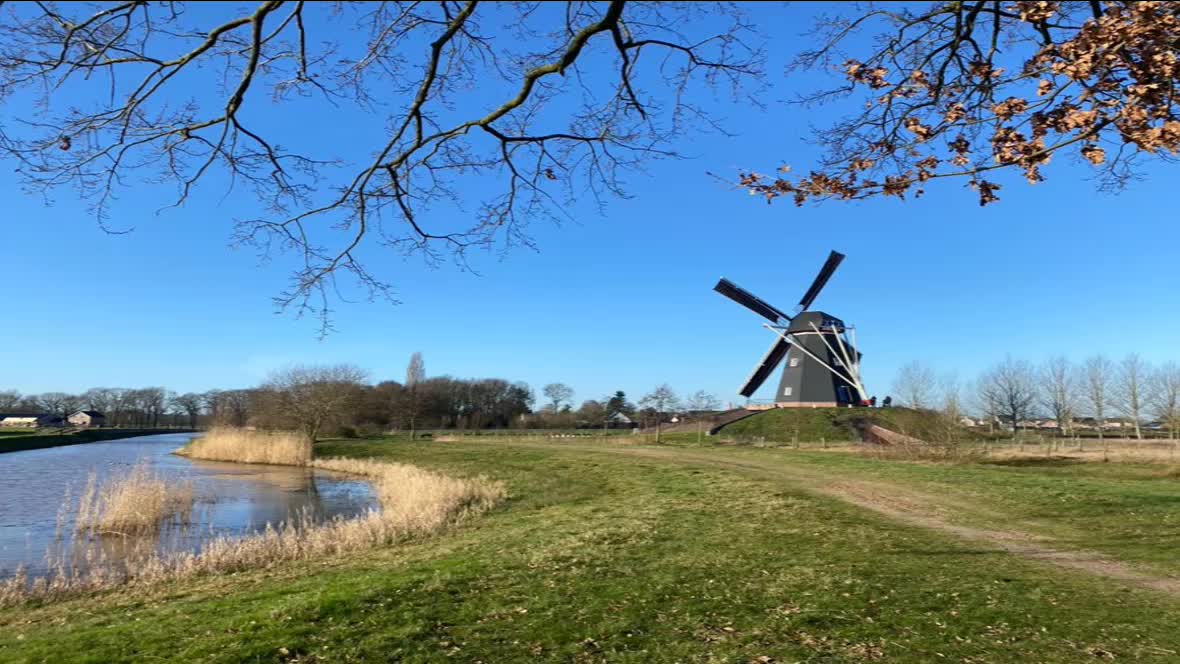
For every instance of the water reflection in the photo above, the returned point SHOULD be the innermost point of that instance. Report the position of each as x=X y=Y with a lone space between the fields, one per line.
x=231 y=500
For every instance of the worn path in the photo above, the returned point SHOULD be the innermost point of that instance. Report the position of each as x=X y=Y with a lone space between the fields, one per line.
x=947 y=514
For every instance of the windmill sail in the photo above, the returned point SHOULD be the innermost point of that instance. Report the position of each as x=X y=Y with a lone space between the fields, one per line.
x=825 y=273
x=764 y=368
x=749 y=301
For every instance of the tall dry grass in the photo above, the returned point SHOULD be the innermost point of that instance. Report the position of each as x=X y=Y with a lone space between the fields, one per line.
x=135 y=502
x=414 y=502
x=281 y=448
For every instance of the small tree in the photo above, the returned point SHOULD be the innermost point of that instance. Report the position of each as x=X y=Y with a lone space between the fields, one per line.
x=1056 y=393
x=412 y=394
x=982 y=399
x=1097 y=375
x=314 y=396
x=1009 y=387
x=558 y=394
x=699 y=402
x=1165 y=397
x=592 y=412
x=661 y=400
x=1132 y=375
x=915 y=385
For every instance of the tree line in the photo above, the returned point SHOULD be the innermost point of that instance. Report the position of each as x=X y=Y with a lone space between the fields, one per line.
x=340 y=399
x=1092 y=392
x=122 y=406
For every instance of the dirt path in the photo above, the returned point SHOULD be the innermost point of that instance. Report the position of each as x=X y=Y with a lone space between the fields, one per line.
x=925 y=514
x=913 y=508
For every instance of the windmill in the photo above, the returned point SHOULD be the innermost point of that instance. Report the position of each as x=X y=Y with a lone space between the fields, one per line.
x=822 y=363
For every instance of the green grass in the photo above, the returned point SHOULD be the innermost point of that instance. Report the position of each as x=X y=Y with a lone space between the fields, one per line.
x=1129 y=511
x=839 y=424
x=604 y=555
x=790 y=424
x=33 y=439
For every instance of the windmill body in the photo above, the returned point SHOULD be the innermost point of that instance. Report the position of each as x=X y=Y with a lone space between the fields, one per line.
x=821 y=365
x=806 y=381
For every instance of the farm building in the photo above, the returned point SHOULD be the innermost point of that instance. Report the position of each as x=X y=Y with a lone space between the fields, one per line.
x=620 y=420
x=87 y=418
x=30 y=421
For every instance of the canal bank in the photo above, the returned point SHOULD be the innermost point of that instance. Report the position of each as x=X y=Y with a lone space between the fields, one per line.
x=41 y=492
x=38 y=441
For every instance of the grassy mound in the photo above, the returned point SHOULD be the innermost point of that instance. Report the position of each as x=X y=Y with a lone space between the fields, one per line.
x=839 y=424
x=806 y=424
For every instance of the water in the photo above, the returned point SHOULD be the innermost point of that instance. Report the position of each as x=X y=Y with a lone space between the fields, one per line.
x=232 y=499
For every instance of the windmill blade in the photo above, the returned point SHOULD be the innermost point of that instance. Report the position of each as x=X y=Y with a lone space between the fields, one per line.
x=749 y=300
x=766 y=367
x=825 y=273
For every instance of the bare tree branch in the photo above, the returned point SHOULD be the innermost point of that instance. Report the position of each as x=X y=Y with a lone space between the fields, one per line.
x=478 y=131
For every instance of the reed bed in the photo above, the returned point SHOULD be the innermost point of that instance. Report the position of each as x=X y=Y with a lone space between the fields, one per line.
x=414 y=502
x=281 y=448
x=135 y=502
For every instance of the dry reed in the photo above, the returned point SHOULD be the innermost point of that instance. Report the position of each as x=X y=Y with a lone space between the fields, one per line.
x=413 y=502
x=282 y=448
x=135 y=502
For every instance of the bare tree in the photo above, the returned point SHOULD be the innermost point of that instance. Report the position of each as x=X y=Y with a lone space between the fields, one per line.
x=190 y=404
x=1133 y=374
x=557 y=393
x=983 y=399
x=9 y=399
x=661 y=400
x=950 y=396
x=58 y=403
x=312 y=397
x=1165 y=389
x=1009 y=387
x=154 y=401
x=228 y=407
x=915 y=385
x=1057 y=391
x=412 y=394
x=102 y=399
x=1098 y=373
x=510 y=96
x=700 y=402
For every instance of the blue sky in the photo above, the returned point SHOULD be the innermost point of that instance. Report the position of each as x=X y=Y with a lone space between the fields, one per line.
x=620 y=301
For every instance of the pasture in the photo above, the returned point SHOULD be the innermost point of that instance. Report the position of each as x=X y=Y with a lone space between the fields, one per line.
x=608 y=550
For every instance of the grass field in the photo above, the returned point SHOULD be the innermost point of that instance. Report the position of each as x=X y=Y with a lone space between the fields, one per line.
x=614 y=552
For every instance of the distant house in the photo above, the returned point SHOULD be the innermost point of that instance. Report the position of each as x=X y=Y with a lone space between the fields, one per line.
x=87 y=418
x=30 y=421
x=619 y=421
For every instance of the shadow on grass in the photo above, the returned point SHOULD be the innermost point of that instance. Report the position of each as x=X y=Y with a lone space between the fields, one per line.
x=1037 y=461
x=950 y=552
